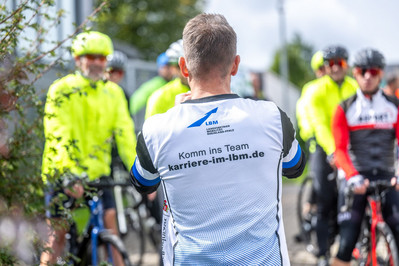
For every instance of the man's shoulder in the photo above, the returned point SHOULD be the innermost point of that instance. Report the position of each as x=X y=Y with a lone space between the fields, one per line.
x=309 y=88
x=351 y=82
x=112 y=86
x=172 y=88
x=345 y=104
x=65 y=83
x=155 y=81
x=309 y=84
x=390 y=98
x=66 y=79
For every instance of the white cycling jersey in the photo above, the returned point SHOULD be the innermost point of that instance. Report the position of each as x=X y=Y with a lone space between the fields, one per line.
x=220 y=160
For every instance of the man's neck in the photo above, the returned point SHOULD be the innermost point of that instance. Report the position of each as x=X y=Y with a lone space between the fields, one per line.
x=209 y=87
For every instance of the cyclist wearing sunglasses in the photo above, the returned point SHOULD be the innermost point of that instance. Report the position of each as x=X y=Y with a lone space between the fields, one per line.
x=325 y=95
x=365 y=128
x=83 y=112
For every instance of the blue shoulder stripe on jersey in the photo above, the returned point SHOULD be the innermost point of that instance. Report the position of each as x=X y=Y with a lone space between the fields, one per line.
x=142 y=180
x=294 y=160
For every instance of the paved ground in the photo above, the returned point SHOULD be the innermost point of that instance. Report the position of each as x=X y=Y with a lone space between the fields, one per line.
x=298 y=254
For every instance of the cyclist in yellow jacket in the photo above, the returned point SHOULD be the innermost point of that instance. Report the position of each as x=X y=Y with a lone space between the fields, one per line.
x=325 y=96
x=305 y=129
x=164 y=98
x=83 y=113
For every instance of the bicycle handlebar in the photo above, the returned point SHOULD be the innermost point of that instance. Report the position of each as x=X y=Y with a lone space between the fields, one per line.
x=379 y=185
x=69 y=181
x=102 y=184
x=374 y=187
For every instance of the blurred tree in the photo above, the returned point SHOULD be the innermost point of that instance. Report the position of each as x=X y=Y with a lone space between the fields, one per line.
x=149 y=25
x=299 y=55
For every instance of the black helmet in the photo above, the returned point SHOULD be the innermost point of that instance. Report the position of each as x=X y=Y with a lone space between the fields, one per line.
x=368 y=58
x=117 y=60
x=335 y=51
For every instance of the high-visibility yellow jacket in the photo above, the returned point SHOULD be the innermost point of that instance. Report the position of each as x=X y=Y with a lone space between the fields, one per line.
x=139 y=98
x=324 y=98
x=81 y=119
x=302 y=112
x=164 y=98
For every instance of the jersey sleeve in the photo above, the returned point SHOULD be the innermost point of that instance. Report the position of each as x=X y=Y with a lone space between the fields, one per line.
x=293 y=156
x=57 y=130
x=340 y=132
x=143 y=175
x=320 y=121
x=302 y=113
x=124 y=130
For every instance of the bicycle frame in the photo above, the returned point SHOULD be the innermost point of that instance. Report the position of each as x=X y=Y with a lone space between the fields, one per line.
x=97 y=226
x=376 y=217
x=93 y=230
x=374 y=222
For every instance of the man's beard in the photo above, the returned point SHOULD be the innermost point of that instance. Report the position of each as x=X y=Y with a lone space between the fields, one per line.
x=94 y=72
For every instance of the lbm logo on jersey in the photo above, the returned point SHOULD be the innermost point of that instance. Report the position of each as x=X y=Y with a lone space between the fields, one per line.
x=202 y=120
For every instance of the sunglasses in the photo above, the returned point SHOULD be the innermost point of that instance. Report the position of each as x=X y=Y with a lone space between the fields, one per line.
x=340 y=62
x=93 y=57
x=373 y=71
x=116 y=71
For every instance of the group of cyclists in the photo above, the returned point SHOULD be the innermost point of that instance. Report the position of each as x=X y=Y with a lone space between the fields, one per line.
x=350 y=126
x=351 y=129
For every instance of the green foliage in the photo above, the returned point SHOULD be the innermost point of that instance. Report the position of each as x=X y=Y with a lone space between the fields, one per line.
x=299 y=55
x=151 y=25
x=23 y=60
x=5 y=257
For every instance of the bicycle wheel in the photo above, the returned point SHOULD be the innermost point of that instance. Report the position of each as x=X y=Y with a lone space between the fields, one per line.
x=135 y=239
x=303 y=205
x=387 y=252
x=386 y=248
x=306 y=215
x=106 y=242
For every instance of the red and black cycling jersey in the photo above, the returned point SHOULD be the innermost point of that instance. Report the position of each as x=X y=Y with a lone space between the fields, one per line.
x=364 y=130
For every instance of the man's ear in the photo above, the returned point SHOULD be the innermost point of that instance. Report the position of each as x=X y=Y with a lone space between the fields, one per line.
x=183 y=67
x=234 y=68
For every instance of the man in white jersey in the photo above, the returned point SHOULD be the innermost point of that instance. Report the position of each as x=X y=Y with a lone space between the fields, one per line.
x=220 y=159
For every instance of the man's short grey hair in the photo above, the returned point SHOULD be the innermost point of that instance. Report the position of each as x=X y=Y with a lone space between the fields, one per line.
x=210 y=44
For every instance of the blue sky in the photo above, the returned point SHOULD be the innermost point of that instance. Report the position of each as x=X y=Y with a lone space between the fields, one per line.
x=355 y=24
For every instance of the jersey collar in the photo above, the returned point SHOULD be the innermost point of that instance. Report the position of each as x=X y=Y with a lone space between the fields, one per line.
x=214 y=98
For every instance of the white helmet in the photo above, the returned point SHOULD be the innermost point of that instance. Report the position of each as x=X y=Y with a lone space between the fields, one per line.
x=175 y=51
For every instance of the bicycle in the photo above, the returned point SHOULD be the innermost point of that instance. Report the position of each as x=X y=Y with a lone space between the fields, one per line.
x=307 y=216
x=94 y=246
x=376 y=244
x=134 y=219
